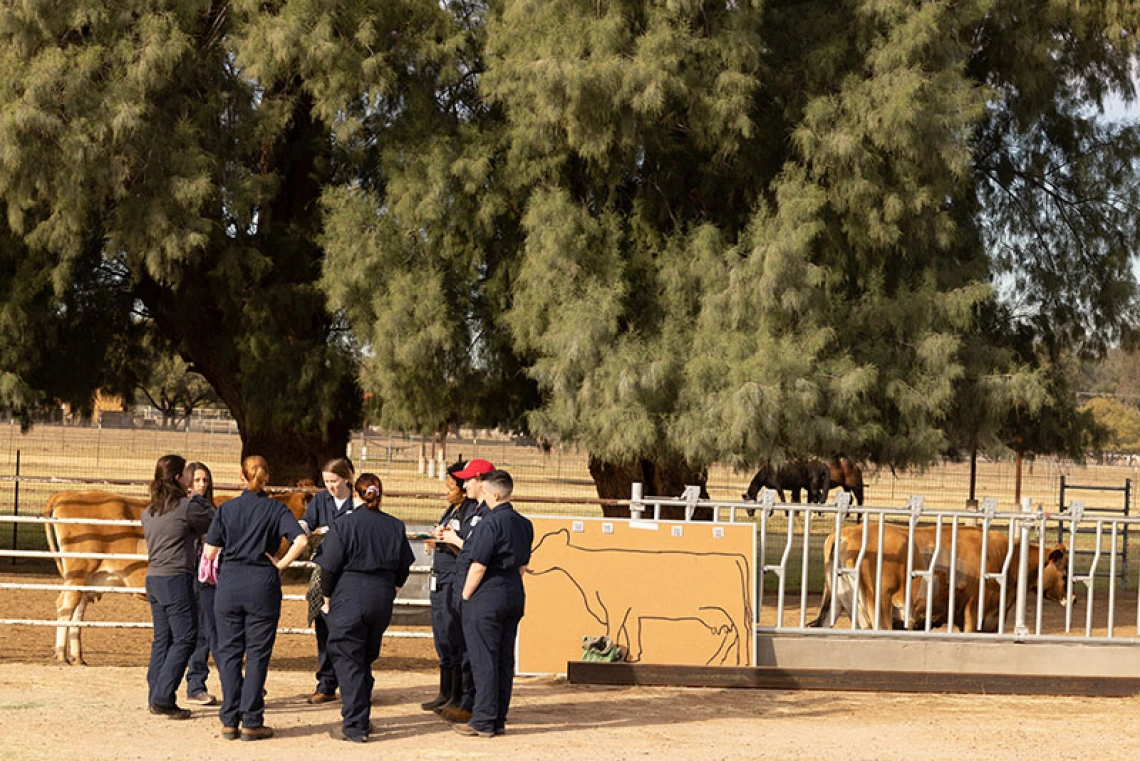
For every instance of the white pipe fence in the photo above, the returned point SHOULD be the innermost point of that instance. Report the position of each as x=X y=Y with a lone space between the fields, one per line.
x=791 y=555
x=56 y=623
x=792 y=568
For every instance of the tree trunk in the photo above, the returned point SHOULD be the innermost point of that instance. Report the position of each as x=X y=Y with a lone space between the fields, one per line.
x=296 y=418
x=659 y=479
x=294 y=454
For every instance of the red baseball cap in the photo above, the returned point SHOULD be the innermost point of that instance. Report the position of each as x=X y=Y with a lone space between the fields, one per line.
x=474 y=468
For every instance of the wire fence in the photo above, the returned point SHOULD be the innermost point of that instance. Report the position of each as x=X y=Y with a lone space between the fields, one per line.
x=554 y=481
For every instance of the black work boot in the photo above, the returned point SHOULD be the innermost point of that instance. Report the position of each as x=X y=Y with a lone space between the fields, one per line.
x=455 y=698
x=445 y=676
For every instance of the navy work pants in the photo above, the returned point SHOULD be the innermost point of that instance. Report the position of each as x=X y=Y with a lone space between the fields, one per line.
x=326 y=674
x=360 y=610
x=174 y=610
x=490 y=626
x=446 y=629
x=198 y=669
x=247 y=607
x=463 y=657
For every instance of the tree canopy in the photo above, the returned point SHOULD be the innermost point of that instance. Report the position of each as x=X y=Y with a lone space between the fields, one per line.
x=760 y=231
x=674 y=233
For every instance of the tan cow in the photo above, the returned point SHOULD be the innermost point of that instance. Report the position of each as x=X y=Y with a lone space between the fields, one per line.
x=104 y=539
x=968 y=569
x=1050 y=574
x=892 y=603
x=91 y=572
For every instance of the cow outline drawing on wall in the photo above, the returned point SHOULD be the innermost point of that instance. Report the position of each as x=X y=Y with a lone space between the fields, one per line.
x=622 y=604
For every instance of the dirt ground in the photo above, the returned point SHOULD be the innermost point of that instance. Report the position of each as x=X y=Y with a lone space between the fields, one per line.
x=99 y=711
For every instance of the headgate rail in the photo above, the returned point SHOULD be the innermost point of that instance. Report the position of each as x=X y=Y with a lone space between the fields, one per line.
x=789 y=575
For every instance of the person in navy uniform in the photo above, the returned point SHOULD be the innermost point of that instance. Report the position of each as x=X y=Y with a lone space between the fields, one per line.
x=247 y=531
x=445 y=626
x=198 y=669
x=493 y=604
x=458 y=708
x=365 y=559
x=172 y=525
x=327 y=508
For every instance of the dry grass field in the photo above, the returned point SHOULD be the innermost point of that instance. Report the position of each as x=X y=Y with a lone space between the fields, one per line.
x=73 y=452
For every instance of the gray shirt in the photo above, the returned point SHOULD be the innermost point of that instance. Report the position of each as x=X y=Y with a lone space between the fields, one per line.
x=171 y=538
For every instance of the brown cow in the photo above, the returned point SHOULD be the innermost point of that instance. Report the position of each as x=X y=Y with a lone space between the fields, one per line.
x=63 y=537
x=1053 y=581
x=103 y=539
x=892 y=603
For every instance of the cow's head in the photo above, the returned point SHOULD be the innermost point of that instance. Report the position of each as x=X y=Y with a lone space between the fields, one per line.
x=1055 y=577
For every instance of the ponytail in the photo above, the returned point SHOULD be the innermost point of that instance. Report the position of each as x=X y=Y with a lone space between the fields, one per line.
x=370 y=490
x=256 y=472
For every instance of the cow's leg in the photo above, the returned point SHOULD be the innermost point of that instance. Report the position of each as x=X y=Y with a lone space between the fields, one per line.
x=69 y=607
x=843 y=597
x=75 y=633
x=823 y=619
x=65 y=605
x=970 y=622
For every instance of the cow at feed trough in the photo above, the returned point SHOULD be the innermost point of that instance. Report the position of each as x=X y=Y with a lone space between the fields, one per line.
x=1050 y=574
x=891 y=603
x=71 y=605
x=968 y=569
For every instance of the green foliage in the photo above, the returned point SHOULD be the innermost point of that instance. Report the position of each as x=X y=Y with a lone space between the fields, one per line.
x=756 y=233
x=420 y=235
x=701 y=231
x=151 y=180
x=172 y=386
x=1120 y=420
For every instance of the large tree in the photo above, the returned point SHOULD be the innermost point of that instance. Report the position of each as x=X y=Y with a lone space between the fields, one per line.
x=163 y=163
x=704 y=231
x=757 y=231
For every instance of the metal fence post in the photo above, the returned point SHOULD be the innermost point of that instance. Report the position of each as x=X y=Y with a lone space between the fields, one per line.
x=16 y=504
x=1020 y=630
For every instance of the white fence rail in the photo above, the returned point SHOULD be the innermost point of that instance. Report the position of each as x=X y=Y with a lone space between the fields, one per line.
x=939 y=578
x=54 y=623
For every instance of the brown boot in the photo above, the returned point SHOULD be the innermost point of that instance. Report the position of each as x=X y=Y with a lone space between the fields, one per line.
x=257 y=733
x=456 y=715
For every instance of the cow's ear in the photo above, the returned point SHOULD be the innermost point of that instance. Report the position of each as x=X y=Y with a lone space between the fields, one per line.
x=1057 y=554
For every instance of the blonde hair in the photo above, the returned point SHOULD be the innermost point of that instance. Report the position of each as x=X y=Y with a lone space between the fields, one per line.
x=255 y=470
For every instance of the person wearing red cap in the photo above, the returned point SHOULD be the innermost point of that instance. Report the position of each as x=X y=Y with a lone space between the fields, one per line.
x=446 y=630
x=462 y=698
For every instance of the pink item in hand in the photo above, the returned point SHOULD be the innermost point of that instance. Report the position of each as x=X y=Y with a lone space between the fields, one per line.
x=208 y=569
